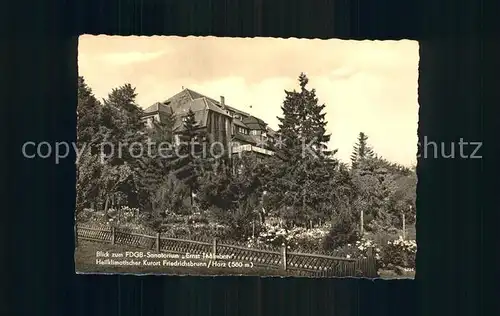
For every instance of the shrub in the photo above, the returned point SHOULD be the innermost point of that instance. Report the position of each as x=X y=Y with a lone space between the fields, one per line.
x=308 y=240
x=343 y=231
x=273 y=235
x=358 y=250
x=308 y=245
x=296 y=238
x=123 y=217
x=176 y=231
x=400 y=253
x=381 y=238
x=349 y=251
x=87 y=215
x=196 y=218
x=173 y=218
x=169 y=196
x=209 y=231
x=239 y=221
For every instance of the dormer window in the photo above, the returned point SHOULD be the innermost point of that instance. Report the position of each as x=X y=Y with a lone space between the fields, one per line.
x=242 y=130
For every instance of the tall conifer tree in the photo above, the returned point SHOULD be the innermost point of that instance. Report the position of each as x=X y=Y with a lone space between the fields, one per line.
x=361 y=150
x=190 y=153
x=302 y=178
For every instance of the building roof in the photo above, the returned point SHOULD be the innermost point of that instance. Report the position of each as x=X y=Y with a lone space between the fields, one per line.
x=239 y=123
x=255 y=123
x=200 y=110
x=156 y=108
x=196 y=95
x=182 y=101
x=214 y=107
x=247 y=139
x=186 y=99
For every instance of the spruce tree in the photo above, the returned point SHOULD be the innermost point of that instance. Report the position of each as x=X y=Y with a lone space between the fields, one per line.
x=301 y=180
x=361 y=150
x=157 y=164
x=235 y=197
x=189 y=154
x=373 y=181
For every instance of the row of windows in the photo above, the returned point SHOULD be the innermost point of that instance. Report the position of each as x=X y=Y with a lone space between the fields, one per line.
x=242 y=130
x=246 y=131
x=239 y=129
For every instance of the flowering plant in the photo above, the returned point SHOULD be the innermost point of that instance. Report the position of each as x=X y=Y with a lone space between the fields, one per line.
x=124 y=214
x=359 y=250
x=400 y=252
x=296 y=238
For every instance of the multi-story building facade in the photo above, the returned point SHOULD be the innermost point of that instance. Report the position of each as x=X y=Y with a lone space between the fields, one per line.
x=237 y=130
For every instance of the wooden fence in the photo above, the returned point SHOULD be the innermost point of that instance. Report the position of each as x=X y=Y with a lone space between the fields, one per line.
x=303 y=264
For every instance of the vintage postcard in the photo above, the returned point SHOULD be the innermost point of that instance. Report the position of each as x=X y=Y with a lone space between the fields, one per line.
x=246 y=156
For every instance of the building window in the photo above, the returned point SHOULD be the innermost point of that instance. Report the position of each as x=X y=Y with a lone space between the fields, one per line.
x=242 y=130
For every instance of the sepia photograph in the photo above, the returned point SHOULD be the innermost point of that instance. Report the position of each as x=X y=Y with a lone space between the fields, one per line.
x=246 y=156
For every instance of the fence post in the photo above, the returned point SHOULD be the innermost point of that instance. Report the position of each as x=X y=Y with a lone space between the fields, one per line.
x=112 y=235
x=158 y=242
x=283 y=256
x=214 y=248
x=371 y=264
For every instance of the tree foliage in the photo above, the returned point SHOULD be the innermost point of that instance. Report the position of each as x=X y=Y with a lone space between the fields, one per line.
x=88 y=111
x=361 y=150
x=302 y=178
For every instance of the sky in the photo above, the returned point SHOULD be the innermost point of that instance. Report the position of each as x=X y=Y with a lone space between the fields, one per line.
x=367 y=86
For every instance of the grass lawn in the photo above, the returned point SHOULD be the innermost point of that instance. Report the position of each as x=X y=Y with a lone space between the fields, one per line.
x=85 y=262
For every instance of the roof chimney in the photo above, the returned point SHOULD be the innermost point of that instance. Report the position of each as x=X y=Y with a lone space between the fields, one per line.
x=222 y=102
